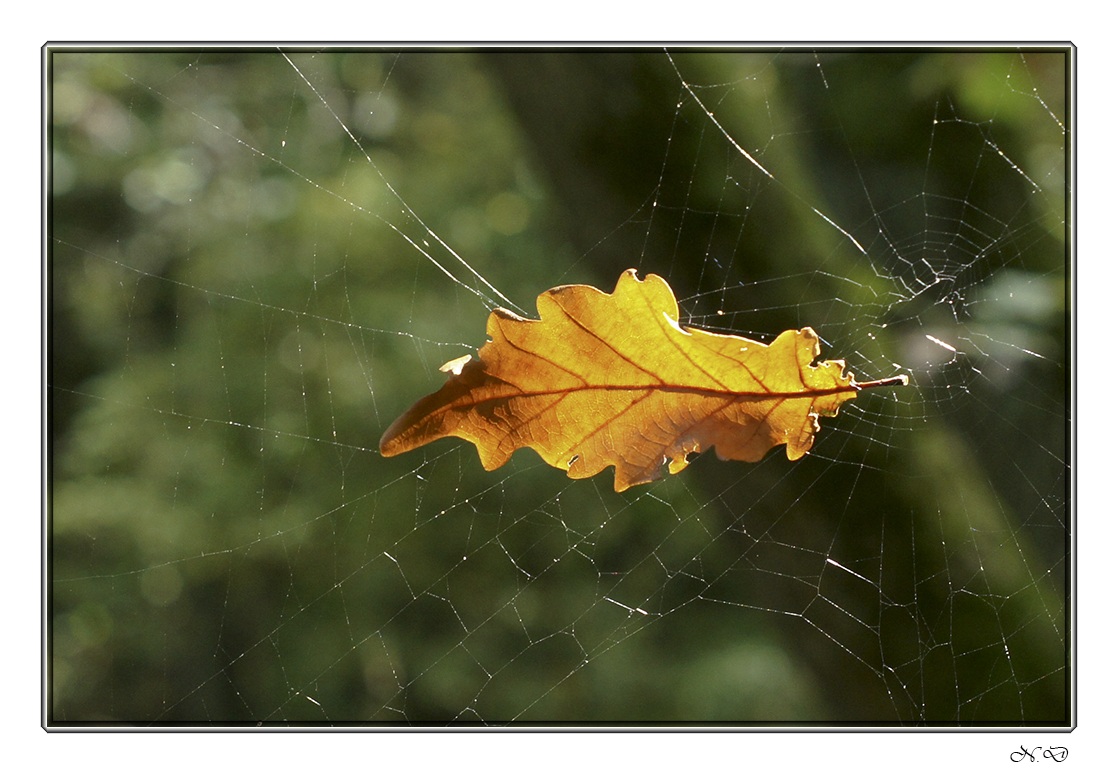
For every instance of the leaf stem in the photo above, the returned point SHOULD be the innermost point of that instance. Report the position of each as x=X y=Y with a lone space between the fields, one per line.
x=899 y=379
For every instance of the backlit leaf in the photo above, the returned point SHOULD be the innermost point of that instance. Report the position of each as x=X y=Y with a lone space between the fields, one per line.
x=614 y=379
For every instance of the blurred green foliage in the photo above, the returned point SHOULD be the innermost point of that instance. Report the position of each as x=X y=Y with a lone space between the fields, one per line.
x=249 y=279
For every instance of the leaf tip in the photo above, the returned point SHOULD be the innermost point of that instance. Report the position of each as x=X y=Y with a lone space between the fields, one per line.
x=456 y=365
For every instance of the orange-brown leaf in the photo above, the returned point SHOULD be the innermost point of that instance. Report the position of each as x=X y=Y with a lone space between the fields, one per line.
x=614 y=379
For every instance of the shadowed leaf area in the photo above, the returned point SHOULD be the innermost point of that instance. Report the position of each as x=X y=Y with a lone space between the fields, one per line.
x=614 y=379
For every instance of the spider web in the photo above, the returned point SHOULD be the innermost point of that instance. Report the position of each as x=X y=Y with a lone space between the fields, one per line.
x=259 y=258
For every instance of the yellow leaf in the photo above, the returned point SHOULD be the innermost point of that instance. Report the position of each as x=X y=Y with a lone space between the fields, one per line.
x=614 y=379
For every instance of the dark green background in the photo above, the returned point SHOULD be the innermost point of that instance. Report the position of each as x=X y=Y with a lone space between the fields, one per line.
x=240 y=305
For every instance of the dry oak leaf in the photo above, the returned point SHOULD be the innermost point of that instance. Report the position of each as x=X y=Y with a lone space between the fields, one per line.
x=614 y=379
